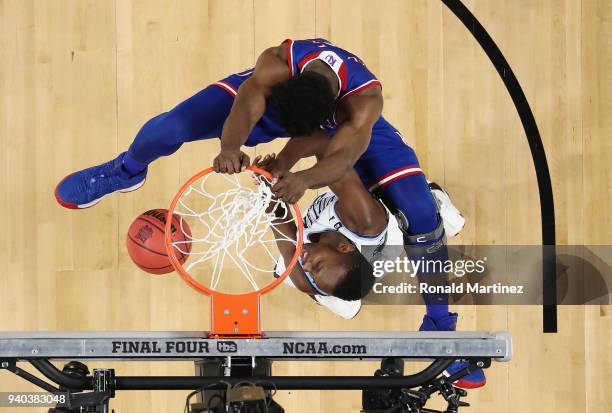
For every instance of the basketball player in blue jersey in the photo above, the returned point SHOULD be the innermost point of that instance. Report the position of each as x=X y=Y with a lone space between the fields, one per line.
x=294 y=90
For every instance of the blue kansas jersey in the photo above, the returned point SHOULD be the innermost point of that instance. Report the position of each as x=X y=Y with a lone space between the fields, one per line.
x=353 y=77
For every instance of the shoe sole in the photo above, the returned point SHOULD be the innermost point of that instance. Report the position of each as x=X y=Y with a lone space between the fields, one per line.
x=71 y=205
x=466 y=385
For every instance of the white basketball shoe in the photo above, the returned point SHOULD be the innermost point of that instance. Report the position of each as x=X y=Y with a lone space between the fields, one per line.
x=451 y=217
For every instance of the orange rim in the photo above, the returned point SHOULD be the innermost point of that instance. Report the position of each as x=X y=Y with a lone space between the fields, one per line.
x=202 y=288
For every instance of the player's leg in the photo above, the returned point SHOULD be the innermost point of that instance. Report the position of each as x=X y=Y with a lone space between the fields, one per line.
x=409 y=197
x=425 y=240
x=399 y=181
x=199 y=117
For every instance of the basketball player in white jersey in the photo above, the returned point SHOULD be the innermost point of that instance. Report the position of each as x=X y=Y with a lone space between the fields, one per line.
x=337 y=226
x=334 y=268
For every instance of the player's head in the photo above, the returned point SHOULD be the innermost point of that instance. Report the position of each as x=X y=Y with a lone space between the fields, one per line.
x=303 y=103
x=338 y=268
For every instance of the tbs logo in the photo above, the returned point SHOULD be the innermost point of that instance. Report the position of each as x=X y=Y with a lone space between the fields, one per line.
x=227 y=347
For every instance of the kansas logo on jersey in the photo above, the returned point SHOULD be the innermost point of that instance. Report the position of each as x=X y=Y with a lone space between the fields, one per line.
x=332 y=59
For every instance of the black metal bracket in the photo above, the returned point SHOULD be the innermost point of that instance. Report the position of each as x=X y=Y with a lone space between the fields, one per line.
x=77 y=400
x=408 y=400
x=93 y=401
x=388 y=390
x=104 y=381
x=11 y=365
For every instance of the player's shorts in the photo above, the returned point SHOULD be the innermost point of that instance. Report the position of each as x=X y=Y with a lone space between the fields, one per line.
x=387 y=159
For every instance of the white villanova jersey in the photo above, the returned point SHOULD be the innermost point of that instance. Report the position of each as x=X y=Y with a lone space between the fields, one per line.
x=321 y=216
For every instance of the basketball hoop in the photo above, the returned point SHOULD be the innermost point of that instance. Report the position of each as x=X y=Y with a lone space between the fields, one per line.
x=233 y=228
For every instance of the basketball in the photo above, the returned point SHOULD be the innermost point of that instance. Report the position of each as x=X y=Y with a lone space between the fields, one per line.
x=145 y=241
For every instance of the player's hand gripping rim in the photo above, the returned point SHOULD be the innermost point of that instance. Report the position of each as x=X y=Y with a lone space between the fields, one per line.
x=231 y=161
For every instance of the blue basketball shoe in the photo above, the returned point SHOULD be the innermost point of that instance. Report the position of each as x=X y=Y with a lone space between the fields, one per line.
x=449 y=323
x=87 y=187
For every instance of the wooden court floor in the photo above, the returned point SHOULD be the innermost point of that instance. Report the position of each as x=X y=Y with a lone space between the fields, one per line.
x=78 y=78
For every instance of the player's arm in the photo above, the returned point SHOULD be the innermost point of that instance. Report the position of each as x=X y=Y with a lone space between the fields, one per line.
x=303 y=147
x=284 y=231
x=248 y=107
x=360 y=211
x=357 y=206
x=350 y=141
x=347 y=145
x=294 y=150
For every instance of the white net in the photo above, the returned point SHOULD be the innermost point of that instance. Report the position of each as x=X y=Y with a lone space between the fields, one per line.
x=227 y=222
